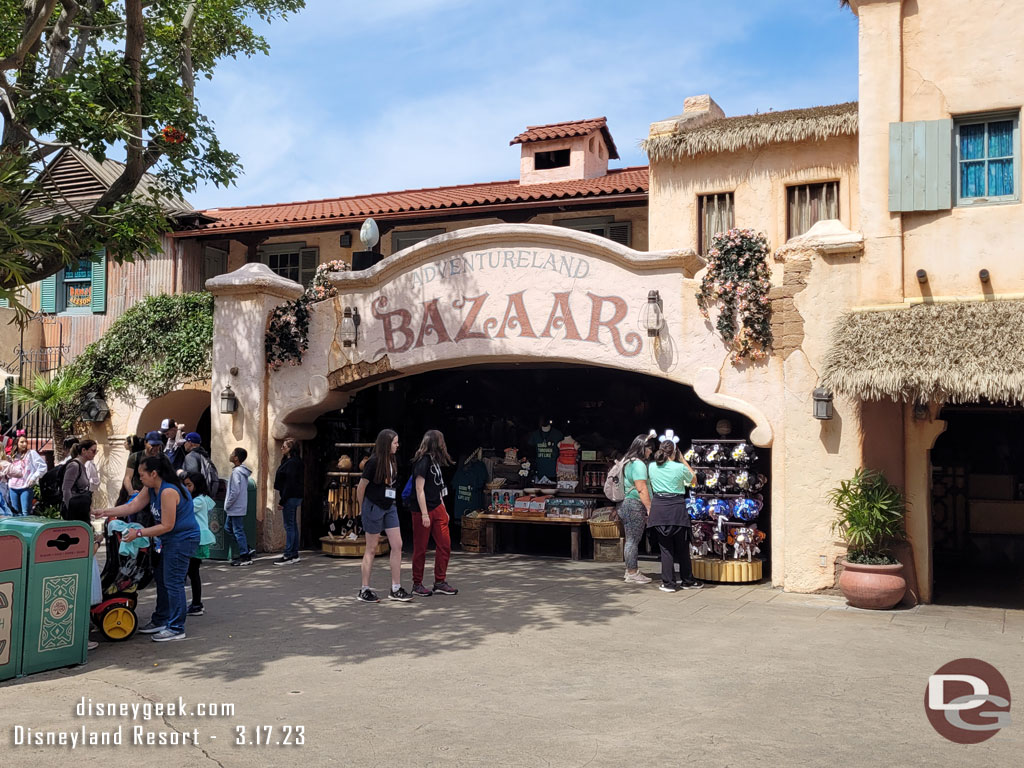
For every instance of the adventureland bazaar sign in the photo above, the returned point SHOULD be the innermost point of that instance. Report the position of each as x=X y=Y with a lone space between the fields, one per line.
x=507 y=294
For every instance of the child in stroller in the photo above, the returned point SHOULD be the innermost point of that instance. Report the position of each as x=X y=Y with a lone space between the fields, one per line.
x=128 y=568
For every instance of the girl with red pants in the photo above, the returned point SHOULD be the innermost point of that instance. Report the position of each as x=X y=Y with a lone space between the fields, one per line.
x=433 y=517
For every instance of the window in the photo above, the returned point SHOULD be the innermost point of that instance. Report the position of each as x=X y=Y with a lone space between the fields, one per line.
x=558 y=158
x=215 y=263
x=604 y=226
x=715 y=215
x=988 y=159
x=810 y=203
x=410 y=237
x=293 y=261
x=80 y=288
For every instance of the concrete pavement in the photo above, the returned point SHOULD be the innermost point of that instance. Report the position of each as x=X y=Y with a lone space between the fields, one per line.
x=536 y=662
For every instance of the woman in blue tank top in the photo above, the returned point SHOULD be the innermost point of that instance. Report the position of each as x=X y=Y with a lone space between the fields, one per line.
x=174 y=525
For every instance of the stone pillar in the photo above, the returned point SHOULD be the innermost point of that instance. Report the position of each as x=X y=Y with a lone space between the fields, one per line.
x=880 y=87
x=243 y=301
x=919 y=436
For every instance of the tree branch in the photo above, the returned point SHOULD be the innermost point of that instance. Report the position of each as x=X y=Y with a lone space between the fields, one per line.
x=188 y=77
x=58 y=42
x=83 y=39
x=37 y=13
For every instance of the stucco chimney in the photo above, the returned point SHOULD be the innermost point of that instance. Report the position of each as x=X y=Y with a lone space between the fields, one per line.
x=697 y=110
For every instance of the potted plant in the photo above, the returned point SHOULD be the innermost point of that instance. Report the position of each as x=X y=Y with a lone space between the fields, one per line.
x=870 y=517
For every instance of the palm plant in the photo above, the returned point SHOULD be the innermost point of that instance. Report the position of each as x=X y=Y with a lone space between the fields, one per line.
x=871 y=513
x=58 y=397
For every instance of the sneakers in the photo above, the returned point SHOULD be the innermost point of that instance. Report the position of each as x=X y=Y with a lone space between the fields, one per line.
x=245 y=559
x=152 y=629
x=368 y=596
x=167 y=635
x=637 y=578
x=668 y=588
x=444 y=588
x=400 y=595
x=285 y=560
x=418 y=590
x=93 y=645
x=691 y=584
x=196 y=610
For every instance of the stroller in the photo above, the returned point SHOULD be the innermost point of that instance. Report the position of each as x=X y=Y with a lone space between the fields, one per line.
x=122 y=577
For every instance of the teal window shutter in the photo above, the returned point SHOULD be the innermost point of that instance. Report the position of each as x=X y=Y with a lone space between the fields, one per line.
x=4 y=303
x=48 y=295
x=98 y=301
x=921 y=165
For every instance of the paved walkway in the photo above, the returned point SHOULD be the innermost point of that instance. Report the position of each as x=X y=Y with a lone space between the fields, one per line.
x=538 y=662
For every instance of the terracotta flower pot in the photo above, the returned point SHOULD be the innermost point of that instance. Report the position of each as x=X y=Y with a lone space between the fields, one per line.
x=876 y=587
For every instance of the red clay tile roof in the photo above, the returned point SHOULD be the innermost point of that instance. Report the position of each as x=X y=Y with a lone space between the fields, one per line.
x=442 y=199
x=568 y=130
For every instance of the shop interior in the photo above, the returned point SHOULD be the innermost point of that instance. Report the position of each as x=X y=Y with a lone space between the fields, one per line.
x=490 y=408
x=978 y=507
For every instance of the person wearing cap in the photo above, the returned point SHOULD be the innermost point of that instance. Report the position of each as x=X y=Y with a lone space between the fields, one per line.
x=174 y=447
x=154 y=445
x=197 y=461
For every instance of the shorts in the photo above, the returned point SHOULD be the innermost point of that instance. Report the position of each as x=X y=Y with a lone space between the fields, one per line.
x=378 y=520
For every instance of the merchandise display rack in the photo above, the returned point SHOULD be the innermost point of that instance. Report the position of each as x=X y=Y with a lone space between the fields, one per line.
x=342 y=505
x=719 y=566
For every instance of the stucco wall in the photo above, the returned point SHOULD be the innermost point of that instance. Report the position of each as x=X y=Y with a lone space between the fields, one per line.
x=588 y=159
x=959 y=59
x=758 y=180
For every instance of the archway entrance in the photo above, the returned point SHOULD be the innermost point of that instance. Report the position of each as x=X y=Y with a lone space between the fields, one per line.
x=978 y=507
x=495 y=407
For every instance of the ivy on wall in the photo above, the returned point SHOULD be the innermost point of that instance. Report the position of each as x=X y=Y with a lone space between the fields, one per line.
x=287 y=336
x=736 y=283
x=157 y=345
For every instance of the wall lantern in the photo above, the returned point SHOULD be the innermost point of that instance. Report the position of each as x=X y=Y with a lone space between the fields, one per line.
x=348 y=331
x=654 y=315
x=95 y=408
x=228 y=401
x=822 y=403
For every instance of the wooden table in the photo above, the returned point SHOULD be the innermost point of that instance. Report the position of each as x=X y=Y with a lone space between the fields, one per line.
x=491 y=527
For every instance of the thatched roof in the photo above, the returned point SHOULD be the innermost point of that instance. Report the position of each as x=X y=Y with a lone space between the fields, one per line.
x=729 y=134
x=954 y=352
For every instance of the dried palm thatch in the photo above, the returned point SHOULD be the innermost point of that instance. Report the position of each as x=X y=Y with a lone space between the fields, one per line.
x=955 y=352
x=729 y=134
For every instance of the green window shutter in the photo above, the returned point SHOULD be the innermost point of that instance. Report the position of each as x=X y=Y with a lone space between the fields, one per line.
x=921 y=165
x=48 y=295
x=621 y=232
x=4 y=303
x=99 y=282
x=309 y=258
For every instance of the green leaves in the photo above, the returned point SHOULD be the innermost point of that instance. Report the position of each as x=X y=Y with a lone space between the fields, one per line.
x=156 y=346
x=59 y=397
x=871 y=514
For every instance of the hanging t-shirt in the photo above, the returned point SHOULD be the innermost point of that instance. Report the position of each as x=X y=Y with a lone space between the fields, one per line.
x=469 y=484
x=545 y=445
x=568 y=452
x=384 y=495
x=433 y=487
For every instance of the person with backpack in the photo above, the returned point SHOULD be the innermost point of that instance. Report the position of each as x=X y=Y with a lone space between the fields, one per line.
x=197 y=462
x=669 y=477
x=288 y=483
x=153 y=445
x=378 y=504
x=430 y=492
x=635 y=502
x=76 y=490
x=27 y=468
x=202 y=504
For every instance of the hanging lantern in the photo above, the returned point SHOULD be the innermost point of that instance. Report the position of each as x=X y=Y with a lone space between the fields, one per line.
x=654 y=316
x=228 y=401
x=347 y=330
x=822 y=403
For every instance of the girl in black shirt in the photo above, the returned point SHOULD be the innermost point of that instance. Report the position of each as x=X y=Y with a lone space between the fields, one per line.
x=433 y=518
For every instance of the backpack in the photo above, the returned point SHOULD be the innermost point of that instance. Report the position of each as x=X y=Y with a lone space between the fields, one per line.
x=209 y=472
x=51 y=486
x=408 y=492
x=614 y=484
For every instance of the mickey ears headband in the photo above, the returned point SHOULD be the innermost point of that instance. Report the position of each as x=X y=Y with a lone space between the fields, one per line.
x=669 y=435
x=652 y=434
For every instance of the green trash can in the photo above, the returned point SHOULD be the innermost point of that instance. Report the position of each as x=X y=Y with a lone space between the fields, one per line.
x=57 y=591
x=12 y=604
x=224 y=546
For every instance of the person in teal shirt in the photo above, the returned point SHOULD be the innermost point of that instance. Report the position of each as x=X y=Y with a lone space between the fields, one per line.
x=669 y=476
x=634 y=507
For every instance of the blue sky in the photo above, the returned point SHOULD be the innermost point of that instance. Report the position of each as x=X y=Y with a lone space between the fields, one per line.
x=361 y=97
